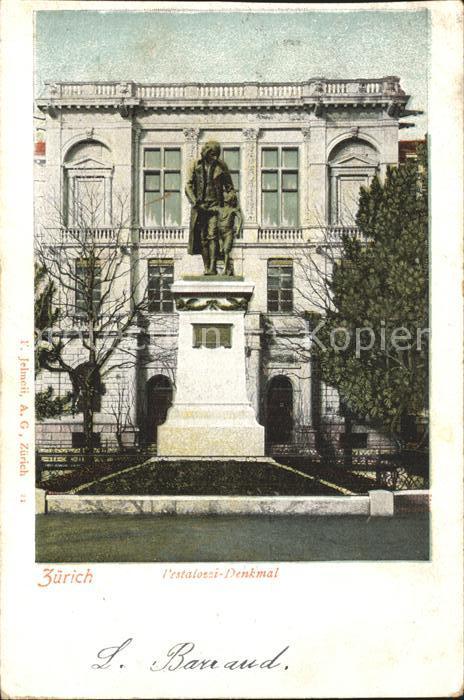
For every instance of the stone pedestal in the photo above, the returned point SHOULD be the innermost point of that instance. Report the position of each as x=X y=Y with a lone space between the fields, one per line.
x=211 y=414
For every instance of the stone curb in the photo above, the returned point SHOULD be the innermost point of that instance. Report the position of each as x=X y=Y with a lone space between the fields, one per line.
x=377 y=504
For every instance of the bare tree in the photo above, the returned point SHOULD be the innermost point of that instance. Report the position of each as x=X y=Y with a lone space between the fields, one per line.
x=99 y=299
x=120 y=408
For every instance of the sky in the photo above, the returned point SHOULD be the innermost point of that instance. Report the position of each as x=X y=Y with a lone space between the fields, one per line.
x=154 y=46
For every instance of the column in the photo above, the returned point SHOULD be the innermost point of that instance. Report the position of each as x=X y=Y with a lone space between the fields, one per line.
x=305 y=180
x=316 y=163
x=190 y=151
x=250 y=180
x=136 y=174
x=136 y=220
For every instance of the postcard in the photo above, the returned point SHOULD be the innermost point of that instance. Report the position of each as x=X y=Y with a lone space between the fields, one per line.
x=231 y=350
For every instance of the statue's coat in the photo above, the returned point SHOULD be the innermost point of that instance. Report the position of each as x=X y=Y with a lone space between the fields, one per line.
x=195 y=189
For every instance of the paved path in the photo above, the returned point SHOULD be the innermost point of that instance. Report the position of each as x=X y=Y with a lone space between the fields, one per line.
x=125 y=538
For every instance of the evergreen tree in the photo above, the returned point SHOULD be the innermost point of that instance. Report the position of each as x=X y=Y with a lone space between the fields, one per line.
x=381 y=284
x=45 y=316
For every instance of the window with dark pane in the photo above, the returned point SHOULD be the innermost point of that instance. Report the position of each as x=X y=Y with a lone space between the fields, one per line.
x=160 y=279
x=162 y=187
x=280 y=285
x=231 y=156
x=88 y=286
x=279 y=186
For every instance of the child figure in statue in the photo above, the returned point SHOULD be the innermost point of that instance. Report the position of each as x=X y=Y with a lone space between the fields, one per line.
x=230 y=222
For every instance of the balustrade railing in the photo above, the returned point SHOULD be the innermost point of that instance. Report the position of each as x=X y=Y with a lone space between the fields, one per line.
x=104 y=234
x=336 y=233
x=171 y=235
x=386 y=86
x=285 y=235
x=178 y=234
x=280 y=90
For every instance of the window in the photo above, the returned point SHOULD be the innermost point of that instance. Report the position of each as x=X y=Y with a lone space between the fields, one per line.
x=347 y=199
x=280 y=285
x=88 y=202
x=231 y=158
x=279 y=186
x=88 y=286
x=353 y=163
x=88 y=169
x=160 y=278
x=162 y=187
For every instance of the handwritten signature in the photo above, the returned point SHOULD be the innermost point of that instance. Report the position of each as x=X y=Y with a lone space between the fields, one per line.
x=181 y=657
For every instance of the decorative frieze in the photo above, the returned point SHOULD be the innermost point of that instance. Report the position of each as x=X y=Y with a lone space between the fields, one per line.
x=217 y=304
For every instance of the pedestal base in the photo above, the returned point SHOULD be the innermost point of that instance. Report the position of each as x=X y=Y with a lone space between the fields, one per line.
x=211 y=415
x=212 y=430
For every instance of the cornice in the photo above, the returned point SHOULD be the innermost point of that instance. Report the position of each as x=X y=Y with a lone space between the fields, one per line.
x=317 y=96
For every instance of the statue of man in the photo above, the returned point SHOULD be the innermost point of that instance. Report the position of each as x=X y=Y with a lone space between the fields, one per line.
x=209 y=179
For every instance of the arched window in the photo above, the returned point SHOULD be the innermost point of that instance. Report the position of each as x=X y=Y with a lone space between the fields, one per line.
x=352 y=164
x=87 y=191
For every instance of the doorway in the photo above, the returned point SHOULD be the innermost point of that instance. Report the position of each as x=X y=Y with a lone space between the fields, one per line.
x=158 y=401
x=279 y=414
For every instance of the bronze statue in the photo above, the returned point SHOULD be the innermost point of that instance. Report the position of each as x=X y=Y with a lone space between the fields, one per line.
x=230 y=221
x=208 y=182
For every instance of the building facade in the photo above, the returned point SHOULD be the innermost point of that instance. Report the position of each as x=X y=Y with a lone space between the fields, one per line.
x=298 y=154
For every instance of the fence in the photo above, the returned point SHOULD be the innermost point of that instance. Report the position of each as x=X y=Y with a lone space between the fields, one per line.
x=65 y=458
x=387 y=468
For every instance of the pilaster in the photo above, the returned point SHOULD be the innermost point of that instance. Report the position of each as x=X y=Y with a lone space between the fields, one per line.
x=306 y=183
x=136 y=175
x=250 y=176
x=190 y=152
x=315 y=151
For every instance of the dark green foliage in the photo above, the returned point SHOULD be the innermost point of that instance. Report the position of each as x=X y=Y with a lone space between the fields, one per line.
x=210 y=477
x=383 y=285
x=46 y=348
x=49 y=406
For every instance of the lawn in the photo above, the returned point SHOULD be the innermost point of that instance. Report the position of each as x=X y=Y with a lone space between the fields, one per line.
x=211 y=478
x=133 y=538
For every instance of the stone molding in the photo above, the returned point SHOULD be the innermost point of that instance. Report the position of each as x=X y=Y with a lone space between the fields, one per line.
x=313 y=95
x=211 y=295
x=216 y=304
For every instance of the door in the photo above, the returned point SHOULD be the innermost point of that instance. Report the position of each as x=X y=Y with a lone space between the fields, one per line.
x=159 y=399
x=279 y=423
